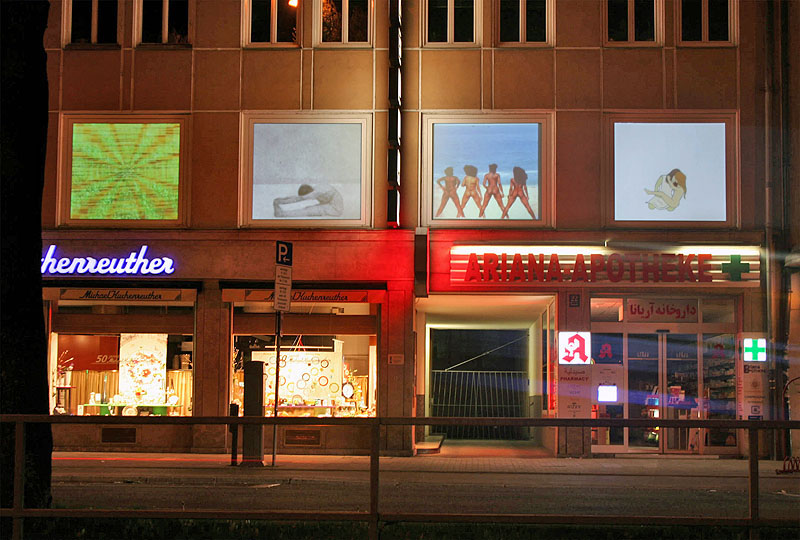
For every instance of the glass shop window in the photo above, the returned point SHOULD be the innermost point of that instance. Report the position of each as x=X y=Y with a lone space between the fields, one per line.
x=631 y=20
x=164 y=21
x=524 y=21
x=92 y=21
x=719 y=310
x=318 y=375
x=719 y=386
x=450 y=21
x=273 y=21
x=606 y=310
x=132 y=374
x=706 y=21
x=344 y=21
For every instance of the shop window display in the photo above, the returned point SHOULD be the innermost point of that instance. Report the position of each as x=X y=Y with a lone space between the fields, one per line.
x=121 y=374
x=318 y=375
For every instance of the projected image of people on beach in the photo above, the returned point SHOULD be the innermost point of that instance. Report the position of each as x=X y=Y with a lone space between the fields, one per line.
x=307 y=171
x=486 y=172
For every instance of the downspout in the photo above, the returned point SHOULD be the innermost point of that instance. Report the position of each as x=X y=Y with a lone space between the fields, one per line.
x=774 y=232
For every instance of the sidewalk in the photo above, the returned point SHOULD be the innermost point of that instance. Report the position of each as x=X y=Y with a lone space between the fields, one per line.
x=216 y=468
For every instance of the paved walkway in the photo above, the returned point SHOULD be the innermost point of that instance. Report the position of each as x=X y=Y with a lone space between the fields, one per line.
x=104 y=466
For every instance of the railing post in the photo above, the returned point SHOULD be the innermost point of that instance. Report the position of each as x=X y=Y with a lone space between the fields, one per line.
x=374 y=477
x=752 y=434
x=19 y=478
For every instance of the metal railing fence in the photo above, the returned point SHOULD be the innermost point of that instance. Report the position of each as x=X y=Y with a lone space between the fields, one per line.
x=475 y=394
x=374 y=517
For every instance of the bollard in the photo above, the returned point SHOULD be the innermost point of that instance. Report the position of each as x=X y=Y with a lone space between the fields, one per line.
x=234 y=429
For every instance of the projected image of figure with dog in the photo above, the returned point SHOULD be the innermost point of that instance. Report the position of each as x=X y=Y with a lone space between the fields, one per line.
x=504 y=155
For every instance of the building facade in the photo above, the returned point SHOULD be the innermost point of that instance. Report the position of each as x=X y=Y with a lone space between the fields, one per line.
x=537 y=208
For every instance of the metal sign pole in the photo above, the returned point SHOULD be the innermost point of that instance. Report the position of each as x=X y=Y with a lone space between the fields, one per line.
x=277 y=380
x=282 y=302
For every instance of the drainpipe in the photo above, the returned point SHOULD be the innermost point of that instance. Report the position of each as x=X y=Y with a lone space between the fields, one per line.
x=775 y=205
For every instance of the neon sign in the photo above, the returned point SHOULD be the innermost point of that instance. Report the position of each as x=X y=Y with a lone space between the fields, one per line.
x=135 y=263
x=574 y=348
x=755 y=349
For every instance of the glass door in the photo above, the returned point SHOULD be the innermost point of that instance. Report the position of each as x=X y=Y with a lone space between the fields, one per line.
x=680 y=396
x=644 y=399
x=662 y=383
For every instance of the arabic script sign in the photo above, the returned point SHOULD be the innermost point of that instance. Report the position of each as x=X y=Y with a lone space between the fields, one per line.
x=640 y=310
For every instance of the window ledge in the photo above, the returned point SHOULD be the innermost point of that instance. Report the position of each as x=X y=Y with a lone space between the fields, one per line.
x=272 y=46
x=163 y=46
x=92 y=47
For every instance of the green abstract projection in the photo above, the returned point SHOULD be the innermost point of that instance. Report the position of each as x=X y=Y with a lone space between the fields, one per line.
x=125 y=171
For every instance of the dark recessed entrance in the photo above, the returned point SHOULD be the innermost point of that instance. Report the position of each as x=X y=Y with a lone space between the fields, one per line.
x=479 y=373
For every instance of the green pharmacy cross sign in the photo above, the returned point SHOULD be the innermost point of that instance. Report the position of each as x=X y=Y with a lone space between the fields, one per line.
x=755 y=349
x=735 y=268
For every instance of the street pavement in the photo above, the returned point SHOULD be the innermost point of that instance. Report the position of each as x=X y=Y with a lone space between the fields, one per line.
x=461 y=479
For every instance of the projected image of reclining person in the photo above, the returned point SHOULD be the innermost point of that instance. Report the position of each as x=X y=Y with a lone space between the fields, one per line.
x=668 y=191
x=329 y=202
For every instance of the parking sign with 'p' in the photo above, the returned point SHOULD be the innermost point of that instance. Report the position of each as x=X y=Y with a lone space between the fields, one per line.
x=283 y=253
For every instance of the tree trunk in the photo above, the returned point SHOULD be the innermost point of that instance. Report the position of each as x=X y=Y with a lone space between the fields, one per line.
x=23 y=347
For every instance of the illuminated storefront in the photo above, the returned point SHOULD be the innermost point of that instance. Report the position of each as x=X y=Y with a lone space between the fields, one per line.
x=166 y=327
x=611 y=332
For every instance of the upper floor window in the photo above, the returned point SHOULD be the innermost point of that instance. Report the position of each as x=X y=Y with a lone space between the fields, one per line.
x=629 y=21
x=674 y=168
x=492 y=170
x=91 y=21
x=164 y=21
x=524 y=21
x=343 y=21
x=271 y=21
x=122 y=170
x=451 y=21
x=307 y=170
x=706 y=21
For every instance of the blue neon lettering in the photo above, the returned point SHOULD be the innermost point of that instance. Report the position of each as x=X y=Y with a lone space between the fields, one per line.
x=135 y=263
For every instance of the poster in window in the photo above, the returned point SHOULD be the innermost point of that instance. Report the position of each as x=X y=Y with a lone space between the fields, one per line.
x=307 y=171
x=486 y=171
x=669 y=172
x=125 y=171
x=143 y=368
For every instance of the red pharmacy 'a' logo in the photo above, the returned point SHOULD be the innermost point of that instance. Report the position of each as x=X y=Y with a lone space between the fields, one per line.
x=576 y=349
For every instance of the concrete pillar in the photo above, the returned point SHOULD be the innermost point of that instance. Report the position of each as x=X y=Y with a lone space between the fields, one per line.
x=212 y=359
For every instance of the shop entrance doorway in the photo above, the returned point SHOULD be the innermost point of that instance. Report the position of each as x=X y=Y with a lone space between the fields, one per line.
x=479 y=373
x=486 y=356
x=672 y=370
x=663 y=383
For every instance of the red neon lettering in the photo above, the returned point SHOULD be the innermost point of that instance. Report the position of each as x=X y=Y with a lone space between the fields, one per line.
x=685 y=271
x=704 y=267
x=668 y=267
x=632 y=260
x=597 y=264
x=615 y=275
x=535 y=269
x=504 y=269
x=650 y=268
x=554 y=269
x=473 y=269
x=517 y=271
x=579 y=270
x=490 y=267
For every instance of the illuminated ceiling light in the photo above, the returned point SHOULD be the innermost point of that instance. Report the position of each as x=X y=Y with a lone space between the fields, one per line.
x=292 y=3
